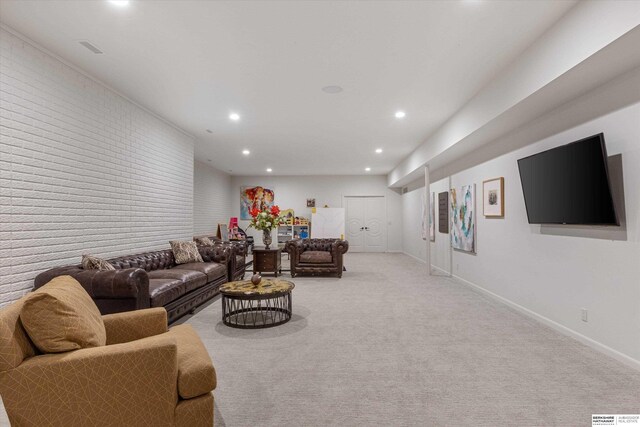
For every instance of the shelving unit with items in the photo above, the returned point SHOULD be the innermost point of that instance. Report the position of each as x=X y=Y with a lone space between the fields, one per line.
x=297 y=227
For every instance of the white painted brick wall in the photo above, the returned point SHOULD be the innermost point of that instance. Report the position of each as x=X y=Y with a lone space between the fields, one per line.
x=211 y=198
x=82 y=170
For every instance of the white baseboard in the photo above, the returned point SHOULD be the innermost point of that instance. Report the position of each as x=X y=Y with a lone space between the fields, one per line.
x=621 y=357
x=440 y=270
x=414 y=257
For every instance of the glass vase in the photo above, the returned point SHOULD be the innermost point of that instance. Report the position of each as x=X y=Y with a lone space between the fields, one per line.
x=266 y=238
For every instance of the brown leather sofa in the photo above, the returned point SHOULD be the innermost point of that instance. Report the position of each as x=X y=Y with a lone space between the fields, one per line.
x=144 y=375
x=238 y=255
x=151 y=279
x=316 y=256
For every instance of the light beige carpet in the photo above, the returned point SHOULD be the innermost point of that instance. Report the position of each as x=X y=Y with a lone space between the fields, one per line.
x=387 y=345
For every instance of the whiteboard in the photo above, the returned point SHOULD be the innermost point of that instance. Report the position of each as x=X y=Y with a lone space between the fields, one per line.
x=328 y=223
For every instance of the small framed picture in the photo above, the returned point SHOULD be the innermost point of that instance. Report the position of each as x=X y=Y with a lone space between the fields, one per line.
x=311 y=203
x=223 y=232
x=493 y=197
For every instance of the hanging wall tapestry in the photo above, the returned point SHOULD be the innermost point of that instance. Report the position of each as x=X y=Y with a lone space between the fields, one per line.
x=254 y=197
x=423 y=216
x=463 y=218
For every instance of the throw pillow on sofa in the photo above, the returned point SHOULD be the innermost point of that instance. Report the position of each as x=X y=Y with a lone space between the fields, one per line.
x=185 y=252
x=203 y=241
x=90 y=262
x=61 y=316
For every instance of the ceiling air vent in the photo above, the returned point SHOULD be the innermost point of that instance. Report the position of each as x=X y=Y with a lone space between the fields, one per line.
x=91 y=47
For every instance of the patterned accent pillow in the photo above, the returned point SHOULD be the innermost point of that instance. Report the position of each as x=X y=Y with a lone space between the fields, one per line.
x=61 y=316
x=90 y=262
x=185 y=252
x=203 y=241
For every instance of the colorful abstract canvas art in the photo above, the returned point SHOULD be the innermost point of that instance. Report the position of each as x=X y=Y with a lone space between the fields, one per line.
x=462 y=204
x=254 y=197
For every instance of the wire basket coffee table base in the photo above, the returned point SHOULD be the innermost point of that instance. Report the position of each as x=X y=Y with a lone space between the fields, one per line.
x=251 y=305
x=256 y=313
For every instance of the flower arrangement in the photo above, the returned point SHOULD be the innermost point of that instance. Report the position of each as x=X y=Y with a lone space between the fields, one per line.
x=266 y=219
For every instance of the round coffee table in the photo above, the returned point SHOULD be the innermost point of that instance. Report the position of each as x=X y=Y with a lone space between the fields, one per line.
x=247 y=306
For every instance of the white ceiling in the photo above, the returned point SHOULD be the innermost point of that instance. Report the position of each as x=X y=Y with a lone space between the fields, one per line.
x=194 y=62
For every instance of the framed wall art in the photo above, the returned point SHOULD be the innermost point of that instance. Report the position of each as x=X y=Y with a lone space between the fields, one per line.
x=462 y=202
x=443 y=212
x=254 y=197
x=493 y=198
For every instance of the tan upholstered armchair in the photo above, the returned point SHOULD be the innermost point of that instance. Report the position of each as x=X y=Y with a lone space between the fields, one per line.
x=145 y=375
x=316 y=256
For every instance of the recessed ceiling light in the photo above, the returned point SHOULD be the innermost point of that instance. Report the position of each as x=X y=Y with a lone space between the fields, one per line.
x=208 y=160
x=378 y=150
x=367 y=169
x=400 y=114
x=234 y=116
x=269 y=170
x=246 y=152
x=209 y=131
x=332 y=89
x=119 y=3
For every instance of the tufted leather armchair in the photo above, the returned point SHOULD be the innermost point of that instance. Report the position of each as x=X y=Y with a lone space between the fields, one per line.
x=316 y=256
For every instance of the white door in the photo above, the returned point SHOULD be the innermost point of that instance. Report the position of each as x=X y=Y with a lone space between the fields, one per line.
x=366 y=224
x=355 y=223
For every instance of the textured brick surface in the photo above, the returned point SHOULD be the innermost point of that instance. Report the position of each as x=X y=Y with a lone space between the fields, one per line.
x=82 y=170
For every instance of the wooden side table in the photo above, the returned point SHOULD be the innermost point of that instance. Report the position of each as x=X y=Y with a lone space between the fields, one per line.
x=267 y=261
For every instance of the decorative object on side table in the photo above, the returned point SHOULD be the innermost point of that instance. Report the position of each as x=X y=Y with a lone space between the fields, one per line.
x=266 y=220
x=255 y=279
x=493 y=198
x=266 y=238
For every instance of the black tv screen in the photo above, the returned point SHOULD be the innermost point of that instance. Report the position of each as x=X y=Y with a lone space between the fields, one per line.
x=569 y=184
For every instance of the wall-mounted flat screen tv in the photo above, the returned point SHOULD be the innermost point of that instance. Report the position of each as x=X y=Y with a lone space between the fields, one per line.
x=569 y=184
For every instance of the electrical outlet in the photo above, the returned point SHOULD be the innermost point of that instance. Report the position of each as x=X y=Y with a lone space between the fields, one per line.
x=584 y=313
